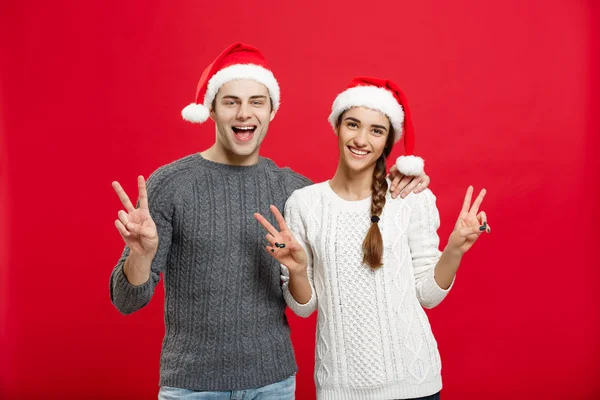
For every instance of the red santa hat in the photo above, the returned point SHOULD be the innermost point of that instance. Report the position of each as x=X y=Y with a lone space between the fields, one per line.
x=384 y=96
x=238 y=61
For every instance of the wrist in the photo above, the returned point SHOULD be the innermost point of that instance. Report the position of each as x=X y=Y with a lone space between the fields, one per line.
x=144 y=259
x=300 y=272
x=137 y=269
x=453 y=251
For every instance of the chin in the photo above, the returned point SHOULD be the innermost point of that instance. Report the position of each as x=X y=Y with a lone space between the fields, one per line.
x=243 y=151
x=359 y=166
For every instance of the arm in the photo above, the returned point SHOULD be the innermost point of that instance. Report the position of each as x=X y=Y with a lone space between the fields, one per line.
x=435 y=271
x=295 y=257
x=146 y=231
x=298 y=286
x=467 y=230
x=423 y=242
x=299 y=293
x=302 y=306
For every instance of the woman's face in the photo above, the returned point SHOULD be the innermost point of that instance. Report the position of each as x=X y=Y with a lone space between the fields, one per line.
x=362 y=137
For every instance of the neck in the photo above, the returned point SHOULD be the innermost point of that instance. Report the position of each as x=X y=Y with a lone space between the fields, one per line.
x=221 y=155
x=352 y=185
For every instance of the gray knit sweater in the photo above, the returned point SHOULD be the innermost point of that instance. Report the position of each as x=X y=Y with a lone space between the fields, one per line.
x=224 y=309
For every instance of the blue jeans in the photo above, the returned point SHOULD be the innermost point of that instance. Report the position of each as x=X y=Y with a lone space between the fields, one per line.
x=283 y=390
x=432 y=397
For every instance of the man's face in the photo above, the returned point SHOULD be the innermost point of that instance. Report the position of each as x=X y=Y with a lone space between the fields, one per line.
x=242 y=113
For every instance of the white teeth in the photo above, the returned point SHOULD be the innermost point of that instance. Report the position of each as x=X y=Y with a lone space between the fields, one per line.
x=244 y=128
x=358 y=152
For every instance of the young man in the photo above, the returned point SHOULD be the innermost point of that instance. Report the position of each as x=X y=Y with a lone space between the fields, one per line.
x=226 y=330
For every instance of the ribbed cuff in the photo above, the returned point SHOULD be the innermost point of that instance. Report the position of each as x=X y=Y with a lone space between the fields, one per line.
x=302 y=310
x=127 y=297
x=432 y=293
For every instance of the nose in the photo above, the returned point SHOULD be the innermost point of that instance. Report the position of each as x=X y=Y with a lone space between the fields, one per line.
x=360 y=140
x=244 y=112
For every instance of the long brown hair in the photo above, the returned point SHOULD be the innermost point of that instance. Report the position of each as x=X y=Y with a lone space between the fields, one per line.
x=373 y=243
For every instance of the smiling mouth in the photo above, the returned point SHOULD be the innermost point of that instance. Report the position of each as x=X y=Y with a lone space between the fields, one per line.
x=358 y=153
x=243 y=133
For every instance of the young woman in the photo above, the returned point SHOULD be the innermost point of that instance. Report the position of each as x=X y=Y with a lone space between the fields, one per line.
x=367 y=262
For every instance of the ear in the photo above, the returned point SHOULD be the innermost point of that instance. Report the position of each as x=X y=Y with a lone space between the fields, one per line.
x=273 y=112
x=211 y=115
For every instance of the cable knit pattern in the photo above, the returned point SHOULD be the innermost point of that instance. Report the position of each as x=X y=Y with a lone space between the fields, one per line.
x=374 y=340
x=225 y=324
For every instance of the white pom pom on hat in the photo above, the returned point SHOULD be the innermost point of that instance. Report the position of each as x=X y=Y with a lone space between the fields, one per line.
x=410 y=165
x=195 y=113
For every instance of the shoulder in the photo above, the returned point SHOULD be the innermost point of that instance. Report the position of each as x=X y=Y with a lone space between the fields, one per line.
x=307 y=198
x=412 y=198
x=168 y=177
x=290 y=178
x=426 y=196
x=414 y=203
x=174 y=169
x=313 y=191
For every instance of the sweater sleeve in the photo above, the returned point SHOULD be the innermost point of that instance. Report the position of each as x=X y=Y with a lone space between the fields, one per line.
x=424 y=241
x=297 y=225
x=126 y=297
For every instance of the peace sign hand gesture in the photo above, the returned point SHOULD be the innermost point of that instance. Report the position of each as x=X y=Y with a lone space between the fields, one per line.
x=136 y=225
x=470 y=225
x=283 y=246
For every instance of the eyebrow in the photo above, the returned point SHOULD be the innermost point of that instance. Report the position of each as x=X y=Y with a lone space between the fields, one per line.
x=374 y=126
x=251 y=97
x=380 y=127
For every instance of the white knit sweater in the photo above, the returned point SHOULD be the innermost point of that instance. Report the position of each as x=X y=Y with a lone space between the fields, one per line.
x=374 y=340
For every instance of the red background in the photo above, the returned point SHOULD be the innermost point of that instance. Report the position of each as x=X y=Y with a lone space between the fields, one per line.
x=504 y=96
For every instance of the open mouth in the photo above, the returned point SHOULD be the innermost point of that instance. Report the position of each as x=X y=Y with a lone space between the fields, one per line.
x=244 y=133
x=357 y=152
